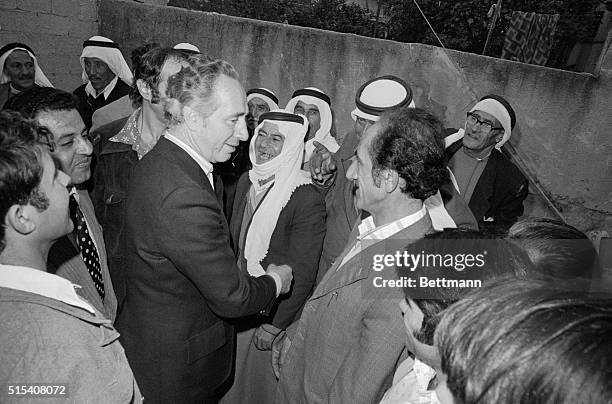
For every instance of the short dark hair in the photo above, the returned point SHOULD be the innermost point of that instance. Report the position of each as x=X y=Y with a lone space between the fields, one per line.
x=503 y=258
x=527 y=341
x=140 y=72
x=42 y=99
x=410 y=143
x=21 y=148
x=556 y=248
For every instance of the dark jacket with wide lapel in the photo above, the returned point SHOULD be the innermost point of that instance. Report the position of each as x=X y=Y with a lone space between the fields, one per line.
x=296 y=241
x=350 y=336
x=182 y=281
x=65 y=260
x=498 y=197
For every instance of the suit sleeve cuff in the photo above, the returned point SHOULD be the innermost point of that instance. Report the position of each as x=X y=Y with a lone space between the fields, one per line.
x=277 y=281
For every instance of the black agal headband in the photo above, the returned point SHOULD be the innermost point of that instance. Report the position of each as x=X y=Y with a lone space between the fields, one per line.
x=281 y=116
x=100 y=44
x=376 y=110
x=265 y=92
x=312 y=93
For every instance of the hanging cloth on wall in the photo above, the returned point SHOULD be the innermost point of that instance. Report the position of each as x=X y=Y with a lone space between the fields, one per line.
x=530 y=37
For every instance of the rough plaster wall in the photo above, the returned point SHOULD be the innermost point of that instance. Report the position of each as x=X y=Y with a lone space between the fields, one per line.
x=55 y=30
x=564 y=119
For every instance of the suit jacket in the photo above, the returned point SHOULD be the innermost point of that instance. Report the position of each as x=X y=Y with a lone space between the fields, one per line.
x=296 y=241
x=497 y=201
x=349 y=339
x=342 y=214
x=182 y=281
x=87 y=105
x=66 y=261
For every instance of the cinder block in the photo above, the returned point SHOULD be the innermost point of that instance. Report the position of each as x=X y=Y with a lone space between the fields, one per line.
x=8 y=4
x=16 y=21
x=41 y=6
x=82 y=30
x=66 y=7
x=53 y=24
x=88 y=10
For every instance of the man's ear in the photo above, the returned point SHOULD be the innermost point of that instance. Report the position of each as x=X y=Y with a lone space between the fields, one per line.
x=193 y=120
x=144 y=90
x=391 y=180
x=21 y=218
x=499 y=136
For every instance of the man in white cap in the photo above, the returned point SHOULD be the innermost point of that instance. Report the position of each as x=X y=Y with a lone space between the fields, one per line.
x=316 y=106
x=107 y=79
x=186 y=46
x=493 y=186
x=373 y=98
x=126 y=141
x=20 y=71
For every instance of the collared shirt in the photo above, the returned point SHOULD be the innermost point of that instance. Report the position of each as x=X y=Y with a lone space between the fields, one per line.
x=106 y=92
x=14 y=91
x=206 y=166
x=130 y=134
x=369 y=231
x=42 y=283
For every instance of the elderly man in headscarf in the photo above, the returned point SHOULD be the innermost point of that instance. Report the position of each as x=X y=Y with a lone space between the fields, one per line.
x=20 y=71
x=259 y=101
x=107 y=78
x=316 y=106
x=279 y=216
x=492 y=185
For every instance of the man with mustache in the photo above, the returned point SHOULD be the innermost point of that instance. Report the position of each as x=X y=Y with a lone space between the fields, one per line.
x=20 y=71
x=491 y=184
x=103 y=97
x=80 y=256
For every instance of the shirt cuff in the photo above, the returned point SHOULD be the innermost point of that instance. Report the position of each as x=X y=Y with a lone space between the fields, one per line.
x=278 y=281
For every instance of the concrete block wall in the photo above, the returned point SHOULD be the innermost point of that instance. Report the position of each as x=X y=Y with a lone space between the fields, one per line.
x=55 y=30
x=564 y=118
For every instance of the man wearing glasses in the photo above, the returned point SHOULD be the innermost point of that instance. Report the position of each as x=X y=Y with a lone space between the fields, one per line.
x=493 y=186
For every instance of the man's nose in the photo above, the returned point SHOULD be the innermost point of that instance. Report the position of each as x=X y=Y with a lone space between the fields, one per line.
x=241 y=130
x=84 y=146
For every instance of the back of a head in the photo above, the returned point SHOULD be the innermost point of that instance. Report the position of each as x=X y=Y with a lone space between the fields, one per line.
x=140 y=71
x=21 y=143
x=409 y=142
x=194 y=85
x=41 y=99
x=556 y=248
x=527 y=341
x=459 y=254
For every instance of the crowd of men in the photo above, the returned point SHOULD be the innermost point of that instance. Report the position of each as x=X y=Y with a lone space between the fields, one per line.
x=132 y=252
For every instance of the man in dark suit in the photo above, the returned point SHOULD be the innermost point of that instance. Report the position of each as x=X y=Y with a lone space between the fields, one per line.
x=79 y=257
x=181 y=274
x=493 y=186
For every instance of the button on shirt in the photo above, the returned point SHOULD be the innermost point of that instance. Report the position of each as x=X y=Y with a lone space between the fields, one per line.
x=369 y=231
